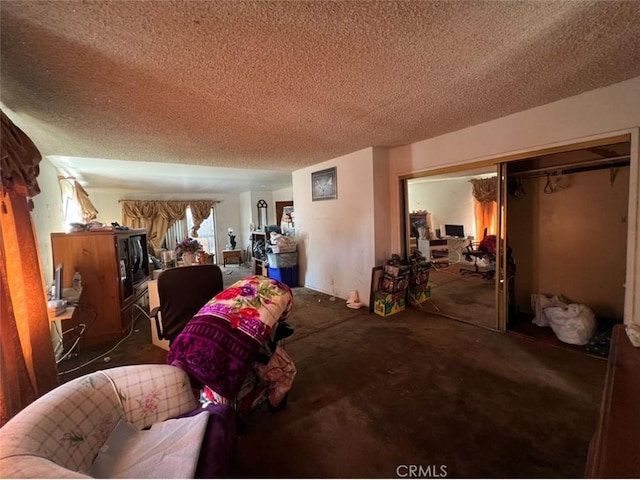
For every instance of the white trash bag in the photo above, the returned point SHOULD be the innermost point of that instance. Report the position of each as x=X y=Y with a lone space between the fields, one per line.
x=539 y=302
x=574 y=323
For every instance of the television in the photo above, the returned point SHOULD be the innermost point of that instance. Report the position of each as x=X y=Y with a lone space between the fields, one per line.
x=57 y=282
x=454 y=231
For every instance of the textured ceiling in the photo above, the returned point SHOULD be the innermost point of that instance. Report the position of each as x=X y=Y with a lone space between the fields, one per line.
x=283 y=85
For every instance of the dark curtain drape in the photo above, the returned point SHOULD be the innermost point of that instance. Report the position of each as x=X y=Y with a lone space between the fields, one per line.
x=28 y=365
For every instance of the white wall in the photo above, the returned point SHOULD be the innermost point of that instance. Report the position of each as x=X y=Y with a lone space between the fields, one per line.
x=246 y=218
x=108 y=206
x=448 y=201
x=47 y=215
x=336 y=238
x=382 y=223
x=282 y=195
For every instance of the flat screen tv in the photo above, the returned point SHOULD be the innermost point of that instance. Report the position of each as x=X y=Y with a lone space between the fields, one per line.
x=454 y=231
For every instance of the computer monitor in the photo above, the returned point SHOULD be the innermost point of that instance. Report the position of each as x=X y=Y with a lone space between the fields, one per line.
x=57 y=282
x=454 y=231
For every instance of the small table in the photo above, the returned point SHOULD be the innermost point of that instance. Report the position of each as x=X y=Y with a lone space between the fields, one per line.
x=229 y=254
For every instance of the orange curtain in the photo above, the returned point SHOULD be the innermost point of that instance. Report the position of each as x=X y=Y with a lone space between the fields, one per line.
x=28 y=365
x=485 y=205
x=486 y=215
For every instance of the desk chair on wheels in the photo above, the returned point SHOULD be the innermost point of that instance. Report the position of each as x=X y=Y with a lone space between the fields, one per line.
x=485 y=250
x=474 y=252
x=182 y=292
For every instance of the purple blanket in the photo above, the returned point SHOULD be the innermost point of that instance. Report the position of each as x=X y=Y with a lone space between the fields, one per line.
x=219 y=442
x=214 y=354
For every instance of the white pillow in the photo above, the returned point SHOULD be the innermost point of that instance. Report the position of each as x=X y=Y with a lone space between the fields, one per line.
x=169 y=449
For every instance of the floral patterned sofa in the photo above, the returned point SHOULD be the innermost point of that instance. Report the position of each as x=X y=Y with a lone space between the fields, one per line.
x=60 y=434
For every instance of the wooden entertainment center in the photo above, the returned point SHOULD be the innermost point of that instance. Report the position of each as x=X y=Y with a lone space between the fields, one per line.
x=114 y=266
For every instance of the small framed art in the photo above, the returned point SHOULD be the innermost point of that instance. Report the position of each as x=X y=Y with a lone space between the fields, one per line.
x=324 y=184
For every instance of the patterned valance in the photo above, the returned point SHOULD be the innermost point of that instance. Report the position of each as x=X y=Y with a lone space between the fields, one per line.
x=485 y=189
x=18 y=161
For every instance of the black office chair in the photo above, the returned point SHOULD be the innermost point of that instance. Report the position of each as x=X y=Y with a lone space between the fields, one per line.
x=484 y=250
x=182 y=292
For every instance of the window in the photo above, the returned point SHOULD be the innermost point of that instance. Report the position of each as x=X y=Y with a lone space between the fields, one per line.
x=182 y=229
x=71 y=211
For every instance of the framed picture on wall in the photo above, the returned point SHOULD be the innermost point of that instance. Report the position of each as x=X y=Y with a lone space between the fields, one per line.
x=324 y=184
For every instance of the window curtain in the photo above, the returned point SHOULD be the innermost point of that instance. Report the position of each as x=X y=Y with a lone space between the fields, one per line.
x=485 y=205
x=156 y=216
x=200 y=211
x=83 y=208
x=27 y=361
x=89 y=212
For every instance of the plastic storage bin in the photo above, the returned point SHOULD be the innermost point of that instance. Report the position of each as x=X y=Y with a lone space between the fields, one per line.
x=288 y=276
x=282 y=260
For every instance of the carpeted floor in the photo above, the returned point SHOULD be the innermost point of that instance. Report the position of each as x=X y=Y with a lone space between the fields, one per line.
x=469 y=298
x=375 y=396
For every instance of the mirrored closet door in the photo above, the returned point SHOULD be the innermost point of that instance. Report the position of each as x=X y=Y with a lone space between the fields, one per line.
x=453 y=220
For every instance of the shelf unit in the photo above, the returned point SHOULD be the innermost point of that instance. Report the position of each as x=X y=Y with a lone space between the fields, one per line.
x=258 y=264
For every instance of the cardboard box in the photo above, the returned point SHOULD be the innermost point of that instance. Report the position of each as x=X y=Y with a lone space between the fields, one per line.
x=420 y=274
x=397 y=270
x=419 y=293
x=392 y=284
x=386 y=304
x=283 y=249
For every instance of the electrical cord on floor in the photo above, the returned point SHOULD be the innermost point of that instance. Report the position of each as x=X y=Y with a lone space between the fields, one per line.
x=83 y=326
x=89 y=362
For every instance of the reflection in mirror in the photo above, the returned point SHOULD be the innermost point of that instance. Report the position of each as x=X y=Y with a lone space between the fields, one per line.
x=454 y=229
x=262 y=214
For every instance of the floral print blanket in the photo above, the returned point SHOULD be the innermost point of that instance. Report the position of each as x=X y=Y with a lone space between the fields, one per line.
x=253 y=305
x=220 y=343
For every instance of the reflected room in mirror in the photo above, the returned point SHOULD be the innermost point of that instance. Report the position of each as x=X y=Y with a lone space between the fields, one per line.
x=450 y=203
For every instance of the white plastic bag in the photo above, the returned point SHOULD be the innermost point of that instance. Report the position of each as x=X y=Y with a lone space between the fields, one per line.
x=573 y=323
x=539 y=302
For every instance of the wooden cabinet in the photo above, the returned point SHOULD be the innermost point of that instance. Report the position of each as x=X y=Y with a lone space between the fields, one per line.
x=115 y=269
x=613 y=452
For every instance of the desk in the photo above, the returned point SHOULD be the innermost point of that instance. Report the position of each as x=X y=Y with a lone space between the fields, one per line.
x=65 y=348
x=229 y=254
x=69 y=295
x=444 y=250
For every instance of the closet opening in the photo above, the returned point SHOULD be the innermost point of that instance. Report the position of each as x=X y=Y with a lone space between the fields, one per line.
x=566 y=224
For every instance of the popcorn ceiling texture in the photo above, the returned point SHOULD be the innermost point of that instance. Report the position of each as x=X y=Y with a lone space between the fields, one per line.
x=283 y=85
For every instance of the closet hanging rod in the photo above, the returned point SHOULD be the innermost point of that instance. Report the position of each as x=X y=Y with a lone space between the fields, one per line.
x=574 y=167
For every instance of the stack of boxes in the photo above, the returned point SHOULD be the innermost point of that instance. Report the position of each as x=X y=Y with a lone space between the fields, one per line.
x=399 y=282
x=282 y=261
x=419 y=290
x=391 y=298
